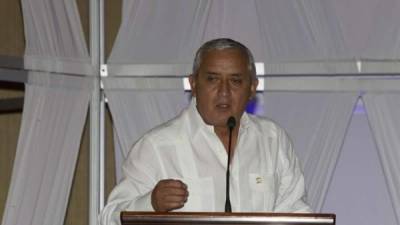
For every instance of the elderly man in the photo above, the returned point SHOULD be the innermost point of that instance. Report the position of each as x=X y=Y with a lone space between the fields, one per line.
x=181 y=165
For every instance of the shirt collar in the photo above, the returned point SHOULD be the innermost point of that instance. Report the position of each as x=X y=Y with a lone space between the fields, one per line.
x=196 y=122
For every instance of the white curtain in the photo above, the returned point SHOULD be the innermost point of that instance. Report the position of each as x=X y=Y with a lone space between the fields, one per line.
x=140 y=106
x=54 y=37
x=311 y=30
x=317 y=124
x=287 y=36
x=159 y=32
x=383 y=110
x=373 y=34
x=304 y=35
x=54 y=114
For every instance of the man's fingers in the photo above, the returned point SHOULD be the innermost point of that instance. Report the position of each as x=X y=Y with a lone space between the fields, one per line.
x=174 y=196
x=172 y=183
x=174 y=202
x=175 y=199
x=174 y=205
x=174 y=191
x=170 y=202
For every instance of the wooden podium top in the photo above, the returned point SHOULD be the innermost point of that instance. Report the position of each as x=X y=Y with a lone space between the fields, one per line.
x=213 y=218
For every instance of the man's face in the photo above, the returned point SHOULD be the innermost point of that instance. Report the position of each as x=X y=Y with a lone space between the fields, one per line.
x=222 y=86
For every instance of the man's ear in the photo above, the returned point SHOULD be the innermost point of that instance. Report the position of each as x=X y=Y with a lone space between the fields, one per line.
x=192 y=82
x=253 y=88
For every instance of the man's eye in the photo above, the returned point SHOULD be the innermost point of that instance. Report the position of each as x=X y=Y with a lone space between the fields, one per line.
x=211 y=78
x=237 y=81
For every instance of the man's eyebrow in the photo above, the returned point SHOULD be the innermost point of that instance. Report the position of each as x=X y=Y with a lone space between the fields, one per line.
x=237 y=75
x=211 y=73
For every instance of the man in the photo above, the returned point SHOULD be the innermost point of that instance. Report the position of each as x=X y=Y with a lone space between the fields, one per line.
x=181 y=165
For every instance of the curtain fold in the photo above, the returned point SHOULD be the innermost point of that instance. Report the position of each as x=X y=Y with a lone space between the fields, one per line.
x=180 y=23
x=55 y=108
x=54 y=37
x=383 y=110
x=297 y=37
x=137 y=110
x=236 y=19
x=317 y=124
x=300 y=30
x=382 y=18
x=48 y=145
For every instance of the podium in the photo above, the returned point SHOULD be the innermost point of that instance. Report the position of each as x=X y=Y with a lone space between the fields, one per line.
x=212 y=218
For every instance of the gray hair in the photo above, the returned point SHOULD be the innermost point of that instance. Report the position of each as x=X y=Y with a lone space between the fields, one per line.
x=220 y=44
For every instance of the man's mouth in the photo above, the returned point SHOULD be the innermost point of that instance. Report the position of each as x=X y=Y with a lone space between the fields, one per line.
x=223 y=106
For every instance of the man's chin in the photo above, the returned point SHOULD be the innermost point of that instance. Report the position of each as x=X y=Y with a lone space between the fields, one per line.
x=218 y=123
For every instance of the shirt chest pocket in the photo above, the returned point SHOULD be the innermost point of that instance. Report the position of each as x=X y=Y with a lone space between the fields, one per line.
x=201 y=194
x=262 y=191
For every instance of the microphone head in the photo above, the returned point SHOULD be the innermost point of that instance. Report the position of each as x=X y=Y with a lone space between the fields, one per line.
x=231 y=123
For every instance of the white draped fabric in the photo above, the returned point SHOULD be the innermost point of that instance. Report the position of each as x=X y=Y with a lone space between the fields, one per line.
x=54 y=37
x=55 y=109
x=53 y=118
x=144 y=22
x=383 y=114
x=295 y=37
x=299 y=35
x=317 y=123
x=288 y=36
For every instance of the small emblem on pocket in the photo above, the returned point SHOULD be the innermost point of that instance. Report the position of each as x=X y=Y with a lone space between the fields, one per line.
x=258 y=180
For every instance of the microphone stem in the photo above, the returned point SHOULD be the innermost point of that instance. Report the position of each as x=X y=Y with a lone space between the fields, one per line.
x=228 y=207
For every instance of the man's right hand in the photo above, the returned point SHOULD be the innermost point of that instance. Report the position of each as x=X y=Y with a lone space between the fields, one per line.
x=168 y=195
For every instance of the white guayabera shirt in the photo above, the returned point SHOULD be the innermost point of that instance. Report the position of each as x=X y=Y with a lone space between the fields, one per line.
x=265 y=173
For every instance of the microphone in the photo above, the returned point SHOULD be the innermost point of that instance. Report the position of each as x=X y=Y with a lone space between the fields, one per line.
x=231 y=123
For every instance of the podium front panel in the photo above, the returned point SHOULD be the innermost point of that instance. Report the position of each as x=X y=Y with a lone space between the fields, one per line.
x=202 y=218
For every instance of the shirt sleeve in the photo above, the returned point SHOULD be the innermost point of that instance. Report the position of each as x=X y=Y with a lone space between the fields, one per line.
x=133 y=193
x=291 y=194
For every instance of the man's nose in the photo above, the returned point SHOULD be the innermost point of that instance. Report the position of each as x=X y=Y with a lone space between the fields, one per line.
x=224 y=88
